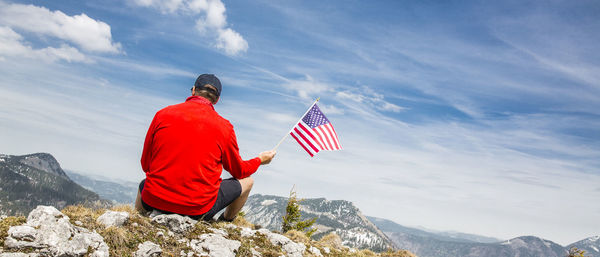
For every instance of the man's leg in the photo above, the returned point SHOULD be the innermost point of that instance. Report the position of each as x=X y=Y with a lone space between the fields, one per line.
x=138 y=203
x=234 y=208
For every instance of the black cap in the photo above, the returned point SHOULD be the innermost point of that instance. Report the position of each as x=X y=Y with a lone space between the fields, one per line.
x=210 y=79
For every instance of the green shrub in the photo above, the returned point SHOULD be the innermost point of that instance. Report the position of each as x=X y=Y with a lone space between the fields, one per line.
x=293 y=219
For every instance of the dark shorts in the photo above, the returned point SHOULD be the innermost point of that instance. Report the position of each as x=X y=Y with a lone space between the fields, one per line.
x=230 y=190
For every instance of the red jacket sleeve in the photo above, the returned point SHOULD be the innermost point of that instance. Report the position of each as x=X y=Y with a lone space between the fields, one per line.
x=232 y=161
x=147 y=152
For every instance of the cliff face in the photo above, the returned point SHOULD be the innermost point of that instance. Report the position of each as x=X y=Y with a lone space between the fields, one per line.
x=79 y=231
x=37 y=179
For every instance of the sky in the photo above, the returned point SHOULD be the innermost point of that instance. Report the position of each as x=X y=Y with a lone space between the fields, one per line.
x=474 y=116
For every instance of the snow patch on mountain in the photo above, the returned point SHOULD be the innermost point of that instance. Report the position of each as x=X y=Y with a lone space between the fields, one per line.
x=267 y=202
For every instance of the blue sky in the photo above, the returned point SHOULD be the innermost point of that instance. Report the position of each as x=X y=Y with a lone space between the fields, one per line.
x=474 y=116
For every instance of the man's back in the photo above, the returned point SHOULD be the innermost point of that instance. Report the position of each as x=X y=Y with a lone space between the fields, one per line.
x=185 y=151
x=183 y=157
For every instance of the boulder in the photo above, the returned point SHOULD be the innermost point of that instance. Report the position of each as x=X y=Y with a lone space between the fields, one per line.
x=216 y=245
x=175 y=222
x=148 y=249
x=50 y=231
x=292 y=248
x=113 y=218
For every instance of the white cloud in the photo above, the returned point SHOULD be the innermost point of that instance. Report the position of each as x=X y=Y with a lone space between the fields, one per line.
x=368 y=96
x=231 y=42
x=214 y=18
x=211 y=23
x=330 y=109
x=12 y=44
x=281 y=118
x=81 y=30
x=308 y=88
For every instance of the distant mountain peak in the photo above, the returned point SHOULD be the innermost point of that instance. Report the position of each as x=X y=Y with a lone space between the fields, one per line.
x=42 y=161
x=37 y=179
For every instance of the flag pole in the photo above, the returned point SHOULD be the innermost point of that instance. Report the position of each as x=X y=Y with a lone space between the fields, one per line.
x=281 y=141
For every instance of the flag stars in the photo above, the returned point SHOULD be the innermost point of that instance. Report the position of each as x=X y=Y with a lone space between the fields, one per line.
x=315 y=117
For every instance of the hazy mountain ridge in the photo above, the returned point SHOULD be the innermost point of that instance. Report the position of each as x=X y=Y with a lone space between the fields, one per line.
x=37 y=179
x=442 y=236
x=338 y=216
x=427 y=244
x=118 y=192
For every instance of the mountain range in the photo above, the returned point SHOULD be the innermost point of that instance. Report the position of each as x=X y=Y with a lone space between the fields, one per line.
x=120 y=192
x=37 y=179
x=426 y=244
x=357 y=230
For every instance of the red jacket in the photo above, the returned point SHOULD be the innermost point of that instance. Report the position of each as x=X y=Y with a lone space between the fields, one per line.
x=186 y=148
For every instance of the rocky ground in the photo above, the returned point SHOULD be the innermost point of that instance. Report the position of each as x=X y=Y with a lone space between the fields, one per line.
x=80 y=231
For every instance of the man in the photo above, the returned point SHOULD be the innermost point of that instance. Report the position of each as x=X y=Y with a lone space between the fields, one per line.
x=186 y=148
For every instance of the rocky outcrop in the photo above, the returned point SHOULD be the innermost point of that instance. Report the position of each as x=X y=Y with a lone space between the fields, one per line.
x=79 y=231
x=49 y=233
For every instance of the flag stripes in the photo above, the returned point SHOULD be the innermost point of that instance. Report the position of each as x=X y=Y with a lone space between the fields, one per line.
x=315 y=133
x=316 y=139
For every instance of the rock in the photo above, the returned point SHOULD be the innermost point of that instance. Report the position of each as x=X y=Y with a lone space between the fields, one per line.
x=23 y=233
x=326 y=250
x=246 y=232
x=155 y=213
x=230 y=226
x=315 y=251
x=216 y=245
x=2 y=217
x=79 y=244
x=78 y=223
x=18 y=255
x=255 y=253
x=50 y=231
x=218 y=231
x=113 y=218
x=175 y=222
x=292 y=248
x=148 y=249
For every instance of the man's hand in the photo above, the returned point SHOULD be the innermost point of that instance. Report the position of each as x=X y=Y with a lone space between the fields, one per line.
x=267 y=156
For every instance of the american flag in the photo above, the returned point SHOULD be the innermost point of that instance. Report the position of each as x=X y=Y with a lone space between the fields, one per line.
x=315 y=133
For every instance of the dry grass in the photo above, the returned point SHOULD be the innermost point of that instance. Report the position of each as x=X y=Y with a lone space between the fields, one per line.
x=6 y=223
x=240 y=221
x=298 y=237
x=86 y=215
x=331 y=240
